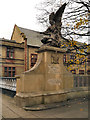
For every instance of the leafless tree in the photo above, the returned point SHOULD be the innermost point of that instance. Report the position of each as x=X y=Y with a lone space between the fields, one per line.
x=70 y=21
x=75 y=11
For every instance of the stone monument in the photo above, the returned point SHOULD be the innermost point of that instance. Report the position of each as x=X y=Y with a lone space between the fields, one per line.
x=48 y=80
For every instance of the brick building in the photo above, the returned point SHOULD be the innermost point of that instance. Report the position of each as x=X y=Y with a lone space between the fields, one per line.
x=12 y=58
x=19 y=54
x=31 y=40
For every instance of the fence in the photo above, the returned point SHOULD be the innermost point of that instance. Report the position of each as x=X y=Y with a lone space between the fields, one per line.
x=8 y=83
x=81 y=80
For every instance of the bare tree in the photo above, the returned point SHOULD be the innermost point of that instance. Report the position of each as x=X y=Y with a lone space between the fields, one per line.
x=75 y=19
x=69 y=21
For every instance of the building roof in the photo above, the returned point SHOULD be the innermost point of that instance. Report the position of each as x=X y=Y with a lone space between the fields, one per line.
x=12 y=43
x=33 y=37
x=3 y=39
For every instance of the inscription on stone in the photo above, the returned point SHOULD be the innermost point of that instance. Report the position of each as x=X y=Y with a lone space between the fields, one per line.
x=53 y=69
x=54 y=81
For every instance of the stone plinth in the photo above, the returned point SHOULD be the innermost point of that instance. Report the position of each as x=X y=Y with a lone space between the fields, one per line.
x=46 y=81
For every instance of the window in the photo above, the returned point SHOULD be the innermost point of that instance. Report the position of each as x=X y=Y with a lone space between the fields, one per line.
x=5 y=71
x=72 y=57
x=9 y=71
x=73 y=71
x=82 y=61
x=88 y=60
x=33 y=59
x=64 y=58
x=10 y=52
x=88 y=72
x=81 y=71
x=13 y=71
x=88 y=56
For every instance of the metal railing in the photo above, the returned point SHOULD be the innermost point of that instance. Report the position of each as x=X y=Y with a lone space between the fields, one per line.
x=81 y=80
x=8 y=83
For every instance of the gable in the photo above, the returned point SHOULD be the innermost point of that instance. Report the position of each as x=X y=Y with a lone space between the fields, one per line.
x=16 y=35
x=33 y=37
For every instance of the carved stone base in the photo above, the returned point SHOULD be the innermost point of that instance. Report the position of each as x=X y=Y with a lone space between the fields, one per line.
x=44 y=82
x=24 y=100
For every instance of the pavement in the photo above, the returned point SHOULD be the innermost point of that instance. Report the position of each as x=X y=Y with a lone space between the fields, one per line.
x=77 y=108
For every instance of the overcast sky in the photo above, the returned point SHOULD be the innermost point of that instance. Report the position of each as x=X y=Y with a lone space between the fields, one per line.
x=19 y=12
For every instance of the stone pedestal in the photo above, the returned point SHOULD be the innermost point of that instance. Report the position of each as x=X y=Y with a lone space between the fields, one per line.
x=47 y=81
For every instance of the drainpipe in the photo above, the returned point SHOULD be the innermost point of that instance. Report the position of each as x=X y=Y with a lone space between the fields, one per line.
x=85 y=68
x=25 y=54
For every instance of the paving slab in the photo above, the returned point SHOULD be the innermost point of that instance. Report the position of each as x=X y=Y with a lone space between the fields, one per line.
x=70 y=109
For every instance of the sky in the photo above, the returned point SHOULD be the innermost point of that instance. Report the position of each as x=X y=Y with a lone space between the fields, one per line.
x=19 y=12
